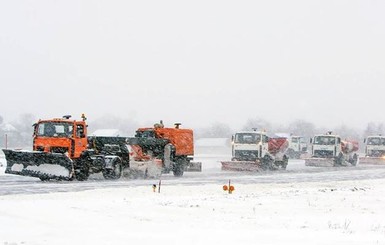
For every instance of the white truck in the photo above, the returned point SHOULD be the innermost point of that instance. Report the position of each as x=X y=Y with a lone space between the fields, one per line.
x=330 y=150
x=374 y=150
x=297 y=147
x=254 y=151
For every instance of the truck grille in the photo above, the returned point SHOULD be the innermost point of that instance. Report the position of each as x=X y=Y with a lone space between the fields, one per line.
x=246 y=155
x=376 y=153
x=323 y=153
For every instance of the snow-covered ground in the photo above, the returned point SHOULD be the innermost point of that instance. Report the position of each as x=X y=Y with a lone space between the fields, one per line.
x=193 y=210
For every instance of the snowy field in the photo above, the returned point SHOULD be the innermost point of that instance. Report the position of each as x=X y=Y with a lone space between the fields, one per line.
x=343 y=206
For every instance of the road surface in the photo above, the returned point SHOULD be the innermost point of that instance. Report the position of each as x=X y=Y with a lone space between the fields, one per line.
x=211 y=173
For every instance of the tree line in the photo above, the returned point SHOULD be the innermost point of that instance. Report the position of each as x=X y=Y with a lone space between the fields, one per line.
x=18 y=132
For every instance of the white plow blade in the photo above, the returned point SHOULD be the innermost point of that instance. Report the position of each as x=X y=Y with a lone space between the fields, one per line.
x=319 y=162
x=241 y=165
x=42 y=169
x=372 y=160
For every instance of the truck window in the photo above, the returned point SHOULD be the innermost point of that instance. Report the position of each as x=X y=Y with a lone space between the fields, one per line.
x=294 y=140
x=376 y=141
x=54 y=129
x=247 y=138
x=145 y=134
x=324 y=140
x=80 y=131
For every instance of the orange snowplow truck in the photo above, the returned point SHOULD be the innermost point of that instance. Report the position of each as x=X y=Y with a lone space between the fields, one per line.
x=62 y=151
x=177 y=153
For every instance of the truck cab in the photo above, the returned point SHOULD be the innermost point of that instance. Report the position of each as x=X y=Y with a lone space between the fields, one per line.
x=60 y=135
x=249 y=145
x=297 y=146
x=375 y=146
x=326 y=146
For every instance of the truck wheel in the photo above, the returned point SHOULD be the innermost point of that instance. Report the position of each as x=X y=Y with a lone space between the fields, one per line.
x=81 y=174
x=178 y=171
x=285 y=161
x=354 y=160
x=81 y=170
x=179 y=166
x=116 y=171
x=339 y=160
x=267 y=163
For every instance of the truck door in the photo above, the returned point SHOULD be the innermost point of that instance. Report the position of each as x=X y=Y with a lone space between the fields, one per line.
x=80 y=140
x=265 y=145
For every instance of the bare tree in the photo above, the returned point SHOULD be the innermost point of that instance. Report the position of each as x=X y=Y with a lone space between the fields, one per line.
x=302 y=128
x=217 y=130
x=347 y=133
x=258 y=123
x=374 y=129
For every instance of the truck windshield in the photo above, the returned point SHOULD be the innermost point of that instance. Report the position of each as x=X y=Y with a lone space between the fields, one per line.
x=324 y=140
x=246 y=138
x=376 y=141
x=294 y=140
x=145 y=134
x=55 y=129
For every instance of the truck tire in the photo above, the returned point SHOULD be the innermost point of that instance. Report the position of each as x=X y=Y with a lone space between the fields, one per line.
x=81 y=174
x=180 y=164
x=354 y=160
x=267 y=163
x=339 y=160
x=81 y=170
x=285 y=161
x=116 y=171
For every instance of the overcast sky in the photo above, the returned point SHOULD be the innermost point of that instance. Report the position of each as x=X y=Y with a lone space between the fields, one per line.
x=195 y=62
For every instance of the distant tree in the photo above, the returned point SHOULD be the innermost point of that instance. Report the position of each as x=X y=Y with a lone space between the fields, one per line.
x=347 y=133
x=23 y=136
x=258 y=123
x=1 y=120
x=24 y=122
x=302 y=128
x=374 y=129
x=217 y=130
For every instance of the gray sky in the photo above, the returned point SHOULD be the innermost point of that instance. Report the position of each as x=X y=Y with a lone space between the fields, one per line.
x=195 y=62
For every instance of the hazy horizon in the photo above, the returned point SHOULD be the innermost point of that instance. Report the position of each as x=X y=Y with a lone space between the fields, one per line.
x=195 y=62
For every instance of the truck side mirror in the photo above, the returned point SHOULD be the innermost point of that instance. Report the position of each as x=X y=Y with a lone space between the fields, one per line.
x=364 y=140
x=311 y=140
x=232 y=138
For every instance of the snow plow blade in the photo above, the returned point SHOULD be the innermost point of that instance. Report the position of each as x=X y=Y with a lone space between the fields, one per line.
x=194 y=167
x=242 y=166
x=38 y=164
x=319 y=162
x=372 y=160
